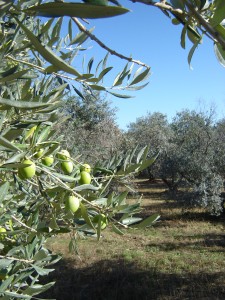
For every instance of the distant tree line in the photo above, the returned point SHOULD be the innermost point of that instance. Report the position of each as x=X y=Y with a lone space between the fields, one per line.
x=191 y=150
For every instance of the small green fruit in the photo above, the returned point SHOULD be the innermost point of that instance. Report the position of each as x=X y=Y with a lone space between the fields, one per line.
x=47 y=160
x=72 y=203
x=2 y=236
x=85 y=178
x=86 y=168
x=38 y=153
x=67 y=167
x=104 y=220
x=28 y=171
x=63 y=154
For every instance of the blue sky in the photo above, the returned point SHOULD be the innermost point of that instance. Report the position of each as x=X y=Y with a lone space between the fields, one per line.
x=149 y=36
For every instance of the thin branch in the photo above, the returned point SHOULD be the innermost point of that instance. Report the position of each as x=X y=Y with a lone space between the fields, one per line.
x=102 y=45
x=213 y=32
x=17 y=259
x=162 y=5
x=24 y=225
x=41 y=69
x=68 y=188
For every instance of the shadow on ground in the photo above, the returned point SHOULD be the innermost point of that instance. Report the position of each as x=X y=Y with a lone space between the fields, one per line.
x=121 y=280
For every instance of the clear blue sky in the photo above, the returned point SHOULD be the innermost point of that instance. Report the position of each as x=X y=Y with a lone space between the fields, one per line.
x=149 y=36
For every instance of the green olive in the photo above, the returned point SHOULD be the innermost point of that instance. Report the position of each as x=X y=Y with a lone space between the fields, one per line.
x=86 y=168
x=67 y=167
x=63 y=154
x=2 y=236
x=85 y=178
x=27 y=171
x=47 y=160
x=38 y=153
x=104 y=220
x=72 y=203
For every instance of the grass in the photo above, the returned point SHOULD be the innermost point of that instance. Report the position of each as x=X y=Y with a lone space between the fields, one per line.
x=181 y=257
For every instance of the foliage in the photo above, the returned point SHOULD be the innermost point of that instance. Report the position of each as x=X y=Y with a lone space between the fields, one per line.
x=152 y=130
x=90 y=128
x=192 y=151
x=36 y=73
x=198 y=18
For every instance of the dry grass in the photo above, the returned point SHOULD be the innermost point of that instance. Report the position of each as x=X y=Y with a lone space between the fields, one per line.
x=181 y=257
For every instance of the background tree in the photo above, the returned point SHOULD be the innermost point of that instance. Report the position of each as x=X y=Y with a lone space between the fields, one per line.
x=191 y=151
x=152 y=130
x=90 y=127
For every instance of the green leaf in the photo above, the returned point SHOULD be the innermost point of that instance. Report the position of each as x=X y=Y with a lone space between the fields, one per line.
x=5 y=6
x=219 y=13
x=22 y=104
x=191 y=52
x=183 y=36
x=38 y=288
x=80 y=10
x=15 y=158
x=4 y=190
x=221 y=30
x=97 y=87
x=136 y=88
x=42 y=271
x=4 y=285
x=220 y=54
x=40 y=255
x=78 y=92
x=81 y=37
x=65 y=178
x=44 y=134
x=14 y=295
x=5 y=143
x=85 y=187
x=117 y=230
x=149 y=221
x=141 y=152
x=144 y=75
x=14 y=76
x=104 y=72
x=147 y=163
x=131 y=220
x=120 y=95
x=47 y=53
x=86 y=216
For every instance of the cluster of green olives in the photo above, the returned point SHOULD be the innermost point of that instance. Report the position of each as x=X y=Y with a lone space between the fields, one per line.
x=66 y=164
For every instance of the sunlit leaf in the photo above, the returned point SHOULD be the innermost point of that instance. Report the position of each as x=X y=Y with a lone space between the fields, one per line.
x=22 y=104
x=47 y=53
x=220 y=54
x=14 y=76
x=144 y=75
x=120 y=95
x=81 y=37
x=86 y=216
x=219 y=13
x=80 y=10
x=117 y=230
x=149 y=221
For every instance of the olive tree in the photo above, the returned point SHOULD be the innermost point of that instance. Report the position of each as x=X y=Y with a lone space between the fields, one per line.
x=194 y=138
x=90 y=128
x=44 y=191
x=42 y=197
x=153 y=130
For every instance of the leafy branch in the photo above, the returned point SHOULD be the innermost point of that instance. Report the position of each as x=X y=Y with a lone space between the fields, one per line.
x=102 y=45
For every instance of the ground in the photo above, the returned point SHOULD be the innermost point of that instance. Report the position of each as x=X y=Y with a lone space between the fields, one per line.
x=181 y=257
